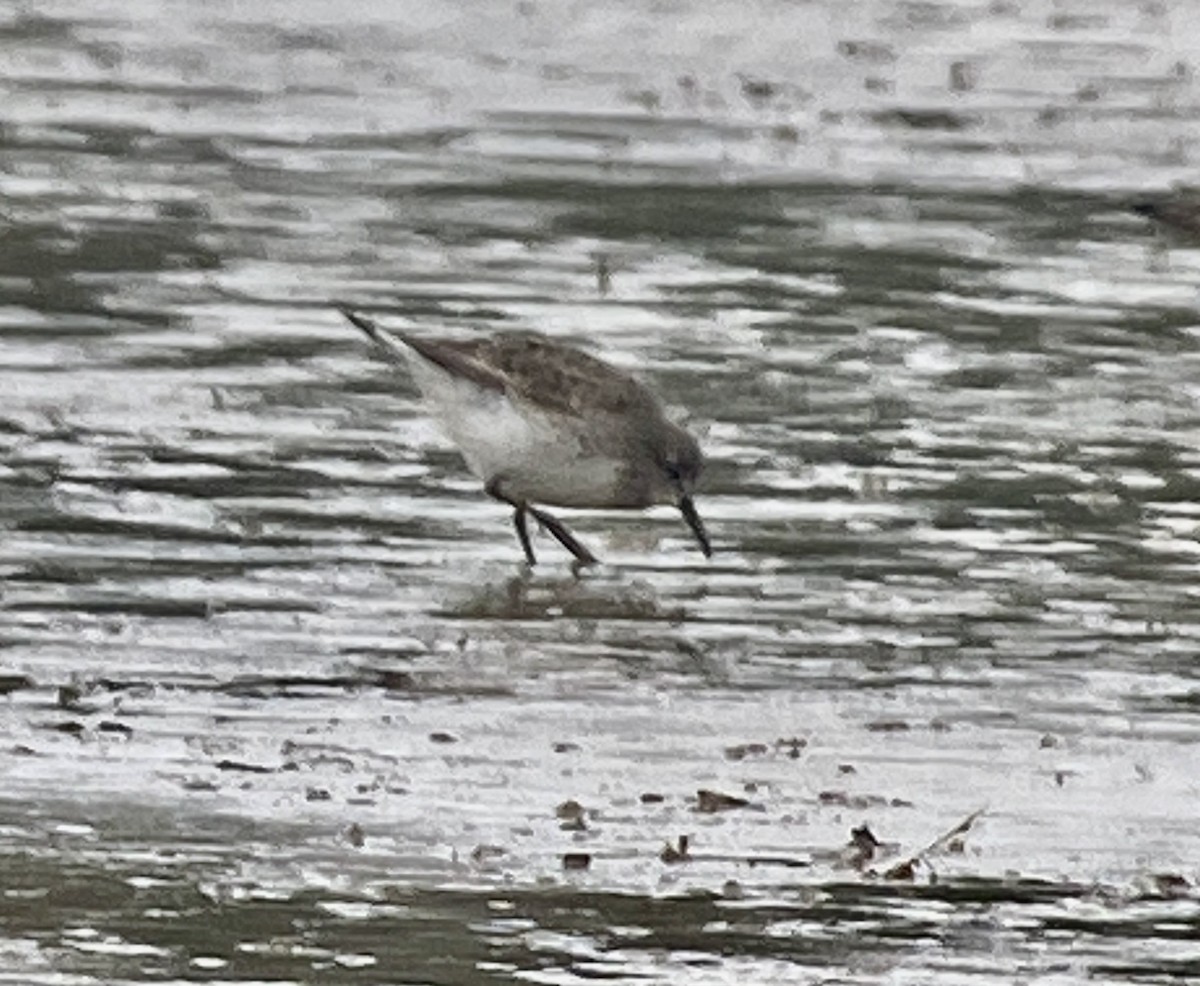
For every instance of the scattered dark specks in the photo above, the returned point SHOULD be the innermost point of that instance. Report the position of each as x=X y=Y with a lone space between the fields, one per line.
x=677 y=853
x=743 y=750
x=647 y=99
x=566 y=747
x=10 y=683
x=485 y=853
x=888 y=726
x=904 y=871
x=792 y=746
x=603 y=275
x=846 y=768
x=1075 y=22
x=710 y=802
x=245 y=768
x=962 y=77
x=317 y=794
x=313 y=760
x=1048 y=742
x=199 y=784
x=108 y=726
x=142 y=689
x=355 y=835
x=1060 y=776
x=862 y=847
x=939 y=726
x=576 y=860
x=732 y=890
x=569 y=811
x=396 y=681
x=758 y=91
x=859 y=802
x=71 y=727
x=440 y=737
x=651 y=798
x=1050 y=116
x=867 y=51
x=925 y=119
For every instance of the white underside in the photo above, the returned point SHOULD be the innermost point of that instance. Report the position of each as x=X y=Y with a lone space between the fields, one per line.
x=514 y=442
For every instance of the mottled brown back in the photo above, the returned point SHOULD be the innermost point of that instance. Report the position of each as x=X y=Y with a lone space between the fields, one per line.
x=541 y=371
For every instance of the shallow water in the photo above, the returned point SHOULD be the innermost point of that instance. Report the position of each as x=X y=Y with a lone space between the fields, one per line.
x=280 y=704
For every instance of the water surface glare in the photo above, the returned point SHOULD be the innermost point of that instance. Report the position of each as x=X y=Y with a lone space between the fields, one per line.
x=279 y=704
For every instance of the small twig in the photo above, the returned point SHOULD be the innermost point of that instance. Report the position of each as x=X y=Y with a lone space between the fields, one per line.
x=940 y=842
x=903 y=869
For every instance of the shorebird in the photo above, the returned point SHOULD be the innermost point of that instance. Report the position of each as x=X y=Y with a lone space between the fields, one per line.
x=540 y=422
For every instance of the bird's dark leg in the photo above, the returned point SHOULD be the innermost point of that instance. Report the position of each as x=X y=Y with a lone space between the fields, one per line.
x=523 y=534
x=495 y=488
x=563 y=536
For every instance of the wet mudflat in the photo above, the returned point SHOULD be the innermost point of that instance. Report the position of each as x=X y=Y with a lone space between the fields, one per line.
x=280 y=705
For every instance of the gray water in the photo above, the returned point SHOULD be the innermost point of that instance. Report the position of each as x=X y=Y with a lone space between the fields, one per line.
x=282 y=706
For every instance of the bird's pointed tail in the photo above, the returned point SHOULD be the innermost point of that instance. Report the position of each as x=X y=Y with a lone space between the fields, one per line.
x=390 y=344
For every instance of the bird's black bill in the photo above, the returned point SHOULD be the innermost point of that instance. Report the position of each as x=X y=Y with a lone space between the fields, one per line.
x=688 y=509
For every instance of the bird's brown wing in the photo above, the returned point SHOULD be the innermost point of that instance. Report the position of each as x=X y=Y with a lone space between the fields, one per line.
x=561 y=378
x=527 y=366
x=459 y=358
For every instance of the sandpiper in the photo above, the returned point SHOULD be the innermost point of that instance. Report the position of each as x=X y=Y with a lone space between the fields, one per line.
x=540 y=422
